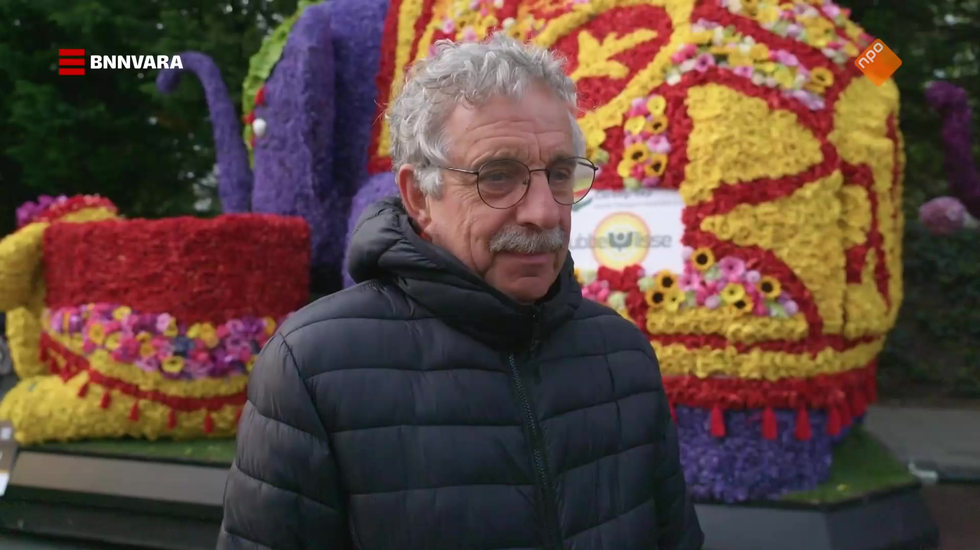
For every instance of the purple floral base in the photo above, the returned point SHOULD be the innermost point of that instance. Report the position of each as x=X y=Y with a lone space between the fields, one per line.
x=742 y=465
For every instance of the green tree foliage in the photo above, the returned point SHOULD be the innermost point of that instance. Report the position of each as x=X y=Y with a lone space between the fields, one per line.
x=111 y=132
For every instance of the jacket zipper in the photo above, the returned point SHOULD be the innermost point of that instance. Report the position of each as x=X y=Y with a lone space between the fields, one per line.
x=544 y=483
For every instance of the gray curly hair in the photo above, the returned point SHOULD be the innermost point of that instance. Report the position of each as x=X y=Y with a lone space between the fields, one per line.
x=469 y=73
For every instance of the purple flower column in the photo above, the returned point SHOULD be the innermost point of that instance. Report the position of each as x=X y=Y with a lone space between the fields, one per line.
x=742 y=465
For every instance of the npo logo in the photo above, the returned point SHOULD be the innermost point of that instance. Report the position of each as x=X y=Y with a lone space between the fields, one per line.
x=878 y=62
x=71 y=61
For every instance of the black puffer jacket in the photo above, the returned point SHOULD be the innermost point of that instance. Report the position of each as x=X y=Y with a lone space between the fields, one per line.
x=424 y=410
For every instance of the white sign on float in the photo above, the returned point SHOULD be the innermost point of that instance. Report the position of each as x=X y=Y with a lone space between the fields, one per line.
x=617 y=229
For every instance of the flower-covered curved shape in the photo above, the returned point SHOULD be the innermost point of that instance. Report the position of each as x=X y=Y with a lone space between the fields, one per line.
x=945 y=215
x=143 y=328
x=788 y=163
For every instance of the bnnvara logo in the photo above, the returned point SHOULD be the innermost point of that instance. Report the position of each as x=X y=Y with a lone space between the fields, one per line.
x=72 y=62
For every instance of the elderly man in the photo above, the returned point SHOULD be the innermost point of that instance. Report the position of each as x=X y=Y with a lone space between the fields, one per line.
x=464 y=395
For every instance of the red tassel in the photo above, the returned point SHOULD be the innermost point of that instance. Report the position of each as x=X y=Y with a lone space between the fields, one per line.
x=83 y=391
x=769 y=430
x=833 y=421
x=249 y=119
x=106 y=399
x=260 y=96
x=134 y=413
x=208 y=423
x=238 y=415
x=251 y=142
x=172 y=420
x=673 y=413
x=803 y=430
x=858 y=405
x=717 y=422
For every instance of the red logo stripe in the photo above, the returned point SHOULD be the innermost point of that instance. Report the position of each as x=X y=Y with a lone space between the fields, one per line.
x=71 y=62
x=64 y=52
x=71 y=71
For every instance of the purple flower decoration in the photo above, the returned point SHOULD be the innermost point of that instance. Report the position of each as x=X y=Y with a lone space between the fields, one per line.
x=704 y=62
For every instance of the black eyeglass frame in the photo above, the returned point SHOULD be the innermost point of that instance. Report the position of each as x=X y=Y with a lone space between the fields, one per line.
x=582 y=161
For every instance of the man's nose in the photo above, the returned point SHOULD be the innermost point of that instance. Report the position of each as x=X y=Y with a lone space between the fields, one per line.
x=539 y=206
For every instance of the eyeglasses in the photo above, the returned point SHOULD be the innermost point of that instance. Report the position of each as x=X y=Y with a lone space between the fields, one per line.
x=504 y=183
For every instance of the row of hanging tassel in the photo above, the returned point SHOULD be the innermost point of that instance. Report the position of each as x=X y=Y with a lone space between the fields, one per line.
x=839 y=416
x=134 y=412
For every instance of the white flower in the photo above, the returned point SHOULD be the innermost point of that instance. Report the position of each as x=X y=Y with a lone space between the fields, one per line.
x=673 y=78
x=259 y=127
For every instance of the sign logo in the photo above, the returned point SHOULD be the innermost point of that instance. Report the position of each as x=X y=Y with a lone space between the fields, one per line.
x=878 y=62
x=71 y=62
x=621 y=240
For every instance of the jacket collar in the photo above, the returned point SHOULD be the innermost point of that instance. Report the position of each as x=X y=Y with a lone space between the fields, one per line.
x=386 y=245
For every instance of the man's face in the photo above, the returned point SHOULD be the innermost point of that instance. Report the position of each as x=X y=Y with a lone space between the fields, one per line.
x=535 y=130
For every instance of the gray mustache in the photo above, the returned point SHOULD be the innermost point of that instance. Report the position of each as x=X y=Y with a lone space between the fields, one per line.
x=519 y=240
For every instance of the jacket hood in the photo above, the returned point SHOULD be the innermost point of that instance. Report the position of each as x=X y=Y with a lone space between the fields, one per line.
x=385 y=245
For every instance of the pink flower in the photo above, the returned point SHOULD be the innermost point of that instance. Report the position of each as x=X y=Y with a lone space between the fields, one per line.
x=638 y=108
x=793 y=29
x=760 y=309
x=686 y=253
x=163 y=322
x=744 y=72
x=943 y=215
x=149 y=364
x=658 y=144
x=831 y=10
x=701 y=295
x=684 y=53
x=631 y=140
x=200 y=356
x=785 y=58
x=713 y=301
x=650 y=182
x=753 y=276
x=690 y=280
x=790 y=307
x=704 y=62
x=88 y=346
x=448 y=25
x=637 y=171
x=222 y=331
x=469 y=35
x=602 y=295
x=732 y=268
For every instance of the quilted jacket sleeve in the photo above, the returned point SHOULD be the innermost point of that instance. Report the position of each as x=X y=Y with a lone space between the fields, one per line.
x=283 y=489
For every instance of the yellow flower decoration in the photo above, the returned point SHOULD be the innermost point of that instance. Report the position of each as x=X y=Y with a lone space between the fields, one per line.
x=759 y=52
x=655 y=297
x=657 y=105
x=250 y=363
x=635 y=125
x=822 y=76
x=171 y=330
x=742 y=305
x=768 y=15
x=656 y=166
x=121 y=313
x=665 y=280
x=702 y=37
x=673 y=299
x=270 y=325
x=703 y=259
x=738 y=59
x=206 y=332
x=637 y=152
x=851 y=50
x=656 y=125
x=768 y=67
x=112 y=341
x=96 y=333
x=625 y=168
x=143 y=336
x=172 y=365
x=732 y=293
x=784 y=77
x=771 y=287
x=147 y=349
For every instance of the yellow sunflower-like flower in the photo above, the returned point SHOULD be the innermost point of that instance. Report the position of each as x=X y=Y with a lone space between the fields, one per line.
x=143 y=336
x=112 y=341
x=665 y=280
x=625 y=168
x=147 y=350
x=822 y=76
x=121 y=313
x=673 y=299
x=768 y=15
x=732 y=293
x=703 y=259
x=656 y=165
x=771 y=287
x=96 y=333
x=270 y=325
x=637 y=152
x=656 y=125
x=742 y=305
x=171 y=330
x=655 y=297
x=635 y=125
x=172 y=365
x=784 y=77
x=657 y=105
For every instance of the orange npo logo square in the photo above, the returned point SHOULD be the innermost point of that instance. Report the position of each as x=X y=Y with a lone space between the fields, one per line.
x=878 y=62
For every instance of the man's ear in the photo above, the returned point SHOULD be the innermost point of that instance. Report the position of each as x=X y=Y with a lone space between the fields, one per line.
x=412 y=196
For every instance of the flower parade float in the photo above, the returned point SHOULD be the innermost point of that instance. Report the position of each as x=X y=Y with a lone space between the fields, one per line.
x=961 y=208
x=746 y=216
x=125 y=333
